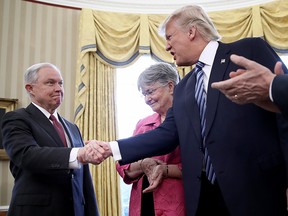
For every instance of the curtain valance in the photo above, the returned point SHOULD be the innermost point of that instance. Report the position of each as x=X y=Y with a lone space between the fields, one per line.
x=120 y=38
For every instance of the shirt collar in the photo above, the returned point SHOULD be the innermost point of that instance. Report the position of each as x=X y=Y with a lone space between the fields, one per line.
x=45 y=112
x=208 y=54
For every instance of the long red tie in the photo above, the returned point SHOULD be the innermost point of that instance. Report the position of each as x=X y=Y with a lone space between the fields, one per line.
x=59 y=129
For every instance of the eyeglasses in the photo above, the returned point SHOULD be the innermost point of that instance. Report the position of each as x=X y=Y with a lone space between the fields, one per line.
x=151 y=92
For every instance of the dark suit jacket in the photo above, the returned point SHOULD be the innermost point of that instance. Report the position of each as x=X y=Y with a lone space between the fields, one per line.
x=280 y=93
x=247 y=144
x=44 y=185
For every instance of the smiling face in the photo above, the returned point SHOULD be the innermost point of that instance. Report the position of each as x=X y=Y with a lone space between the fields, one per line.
x=47 y=91
x=159 y=97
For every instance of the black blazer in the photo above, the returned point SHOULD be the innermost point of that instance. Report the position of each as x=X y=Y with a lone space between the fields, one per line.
x=247 y=144
x=44 y=185
x=280 y=93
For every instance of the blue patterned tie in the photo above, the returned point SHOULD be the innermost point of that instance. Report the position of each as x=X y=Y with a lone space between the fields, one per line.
x=200 y=96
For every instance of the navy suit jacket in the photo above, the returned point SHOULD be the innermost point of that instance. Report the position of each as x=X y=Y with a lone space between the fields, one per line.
x=44 y=184
x=247 y=145
x=280 y=93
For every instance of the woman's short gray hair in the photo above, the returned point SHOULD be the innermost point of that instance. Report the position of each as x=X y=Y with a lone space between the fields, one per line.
x=31 y=74
x=190 y=15
x=159 y=72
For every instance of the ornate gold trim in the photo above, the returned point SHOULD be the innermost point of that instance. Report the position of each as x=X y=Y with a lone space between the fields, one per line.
x=8 y=105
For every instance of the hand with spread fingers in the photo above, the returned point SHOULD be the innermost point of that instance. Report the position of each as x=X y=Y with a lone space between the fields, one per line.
x=251 y=84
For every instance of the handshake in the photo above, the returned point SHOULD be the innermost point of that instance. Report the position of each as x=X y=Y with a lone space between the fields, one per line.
x=94 y=152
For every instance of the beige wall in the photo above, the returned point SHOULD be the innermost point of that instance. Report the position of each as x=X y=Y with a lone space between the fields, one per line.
x=32 y=33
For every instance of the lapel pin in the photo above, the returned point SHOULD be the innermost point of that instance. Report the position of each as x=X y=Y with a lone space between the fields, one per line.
x=222 y=61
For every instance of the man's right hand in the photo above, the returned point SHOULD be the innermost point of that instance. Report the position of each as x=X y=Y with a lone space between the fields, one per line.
x=94 y=152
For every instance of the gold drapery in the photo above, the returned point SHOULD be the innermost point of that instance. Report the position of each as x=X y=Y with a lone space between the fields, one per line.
x=119 y=38
x=269 y=21
x=95 y=116
x=109 y=40
x=97 y=122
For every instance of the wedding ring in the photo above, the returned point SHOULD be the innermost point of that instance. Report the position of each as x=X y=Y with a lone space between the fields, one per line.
x=235 y=96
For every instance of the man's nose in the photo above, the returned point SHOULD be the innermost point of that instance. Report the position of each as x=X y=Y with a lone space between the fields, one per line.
x=168 y=46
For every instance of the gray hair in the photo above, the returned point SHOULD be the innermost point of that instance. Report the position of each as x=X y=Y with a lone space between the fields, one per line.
x=159 y=72
x=31 y=74
x=192 y=15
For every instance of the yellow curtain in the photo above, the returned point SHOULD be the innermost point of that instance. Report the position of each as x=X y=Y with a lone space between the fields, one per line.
x=109 y=40
x=98 y=122
x=269 y=21
x=95 y=116
x=120 y=38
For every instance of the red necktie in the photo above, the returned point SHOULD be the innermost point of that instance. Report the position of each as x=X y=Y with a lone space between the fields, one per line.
x=59 y=129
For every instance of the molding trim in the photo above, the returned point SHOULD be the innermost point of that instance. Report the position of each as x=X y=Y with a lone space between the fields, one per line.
x=150 y=6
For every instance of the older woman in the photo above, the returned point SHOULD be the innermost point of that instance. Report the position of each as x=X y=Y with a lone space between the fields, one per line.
x=162 y=174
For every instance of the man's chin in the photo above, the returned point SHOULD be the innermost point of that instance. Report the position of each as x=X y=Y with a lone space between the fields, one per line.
x=58 y=102
x=183 y=64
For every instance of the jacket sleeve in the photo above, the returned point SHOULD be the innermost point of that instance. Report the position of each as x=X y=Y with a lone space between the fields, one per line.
x=121 y=169
x=30 y=147
x=280 y=93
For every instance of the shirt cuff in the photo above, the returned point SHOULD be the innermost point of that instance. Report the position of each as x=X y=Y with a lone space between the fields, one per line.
x=115 y=150
x=73 y=162
x=270 y=91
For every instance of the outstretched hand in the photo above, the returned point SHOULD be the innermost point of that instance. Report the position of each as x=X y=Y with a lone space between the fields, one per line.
x=94 y=152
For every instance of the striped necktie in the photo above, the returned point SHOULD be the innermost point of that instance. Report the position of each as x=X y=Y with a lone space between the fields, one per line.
x=58 y=127
x=200 y=96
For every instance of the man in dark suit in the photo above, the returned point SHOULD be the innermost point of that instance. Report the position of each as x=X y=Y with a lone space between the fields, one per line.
x=246 y=145
x=279 y=89
x=262 y=87
x=50 y=178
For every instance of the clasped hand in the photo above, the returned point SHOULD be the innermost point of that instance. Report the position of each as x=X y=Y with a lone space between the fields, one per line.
x=94 y=152
x=154 y=170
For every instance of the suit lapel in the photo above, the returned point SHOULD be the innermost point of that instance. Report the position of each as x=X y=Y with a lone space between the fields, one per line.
x=44 y=123
x=218 y=71
x=191 y=105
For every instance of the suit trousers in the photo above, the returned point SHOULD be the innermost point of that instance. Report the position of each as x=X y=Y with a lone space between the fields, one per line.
x=211 y=201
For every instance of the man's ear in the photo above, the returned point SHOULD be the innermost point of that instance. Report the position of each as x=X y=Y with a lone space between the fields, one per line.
x=171 y=87
x=192 y=32
x=29 y=87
